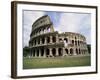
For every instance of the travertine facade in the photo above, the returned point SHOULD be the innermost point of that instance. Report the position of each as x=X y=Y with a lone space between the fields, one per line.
x=45 y=42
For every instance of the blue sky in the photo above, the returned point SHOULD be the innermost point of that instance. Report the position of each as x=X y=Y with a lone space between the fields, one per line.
x=62 y=22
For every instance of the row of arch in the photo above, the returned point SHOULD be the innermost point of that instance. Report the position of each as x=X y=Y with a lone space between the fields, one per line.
x=49 y=52
x=40 y=31
x=43 y=21
x=73 y=42
x=53 y=39
x=44 y=40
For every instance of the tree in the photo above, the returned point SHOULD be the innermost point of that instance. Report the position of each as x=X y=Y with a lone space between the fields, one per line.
x=89 y=48
x=26 y=51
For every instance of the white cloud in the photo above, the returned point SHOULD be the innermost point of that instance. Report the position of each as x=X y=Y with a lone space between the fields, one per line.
x=68 y=22
x=75 y=22
x=28 y=19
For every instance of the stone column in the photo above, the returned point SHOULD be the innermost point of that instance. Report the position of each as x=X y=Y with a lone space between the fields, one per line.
x=74 y=52
x=50 y=49
x=35 y=53
x=42 y=31
x=40 y=41
x=74 y=43
x=57 y=52
x=50 y=39
x=68 y=51
x=64 y=52
x=45 y=40
x=57 y=39
x=44 y=53
x=39 y=52
x=36 y=42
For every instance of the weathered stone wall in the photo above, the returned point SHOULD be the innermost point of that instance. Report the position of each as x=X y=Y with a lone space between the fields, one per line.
x=45 y=42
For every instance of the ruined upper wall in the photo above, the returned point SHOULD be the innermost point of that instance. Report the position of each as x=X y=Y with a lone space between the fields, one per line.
x=42 y=25
x=44 y=20
x=73 y=35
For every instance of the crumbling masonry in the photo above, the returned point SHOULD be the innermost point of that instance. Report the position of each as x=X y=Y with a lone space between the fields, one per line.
x=45 y=42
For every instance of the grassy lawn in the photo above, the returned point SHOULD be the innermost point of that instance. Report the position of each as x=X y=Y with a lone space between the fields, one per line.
x=71 y=61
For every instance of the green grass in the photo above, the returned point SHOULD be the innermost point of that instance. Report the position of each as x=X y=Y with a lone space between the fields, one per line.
x=71 y=61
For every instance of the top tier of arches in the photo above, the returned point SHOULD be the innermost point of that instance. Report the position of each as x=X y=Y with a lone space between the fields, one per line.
x=44 y=20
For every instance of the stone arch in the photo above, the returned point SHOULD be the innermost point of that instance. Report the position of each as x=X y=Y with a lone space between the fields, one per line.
x=73 y=42
x=71 y=51
x=37 y=52
x=39 y=41
x=42 y=52
x=48 y=39
x=76 y=51
x=54 y=52
x=79 y=51
x=76 y=43
x=66 y=51
x=66 y=40
x=47 y=52
x=35 y=42
x=60 y=39
x=33 y=52
x=43 y=40
x=60 y=51
x=54 y=39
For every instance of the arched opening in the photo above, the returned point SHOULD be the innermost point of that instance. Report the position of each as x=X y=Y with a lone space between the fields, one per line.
x=75 y=38
x=76 y=51
x=79 y=51
x=71 y=51
x=47 y=52
x=37 y=53
x=48 y=39
x=73 y=42
x=54 y=39
x=38 y=41
x=66 y=51
x=33 y=53
x=43 y=40
x=60 y=51
x=39 y=31
x=65 y=39
x=60 y=40
x=35 y=42
x=36 y=32
x=76 y=43
x=42 y=52
x=54 y=52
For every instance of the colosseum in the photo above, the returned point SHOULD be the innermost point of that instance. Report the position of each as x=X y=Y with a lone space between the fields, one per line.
x=45 y=42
